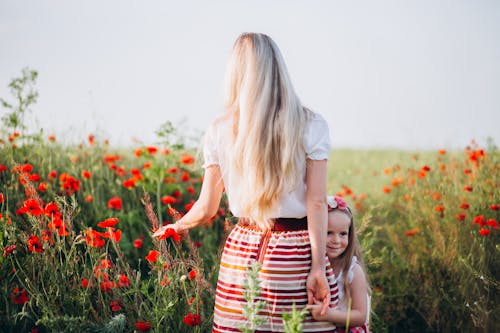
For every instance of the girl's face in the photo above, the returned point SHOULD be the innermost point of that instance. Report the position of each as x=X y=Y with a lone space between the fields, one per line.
x=337 y=237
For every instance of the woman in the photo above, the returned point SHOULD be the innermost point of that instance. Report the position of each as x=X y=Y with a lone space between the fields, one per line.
x=269 y=153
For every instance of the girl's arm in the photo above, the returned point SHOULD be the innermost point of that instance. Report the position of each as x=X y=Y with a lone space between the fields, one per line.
x=359 y=291
x=206 y=205
x=317 y=219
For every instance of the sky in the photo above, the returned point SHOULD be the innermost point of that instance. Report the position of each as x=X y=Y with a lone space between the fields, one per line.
x=384 y=74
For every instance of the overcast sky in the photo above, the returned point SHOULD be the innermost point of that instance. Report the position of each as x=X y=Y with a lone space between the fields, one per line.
x=385 y=74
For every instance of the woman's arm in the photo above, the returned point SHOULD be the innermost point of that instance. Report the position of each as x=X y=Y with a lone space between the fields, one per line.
x=205 y=207
x=359 y=291
x=317 y=219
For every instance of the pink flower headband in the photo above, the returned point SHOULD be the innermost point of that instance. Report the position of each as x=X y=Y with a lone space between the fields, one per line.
x=335 y=202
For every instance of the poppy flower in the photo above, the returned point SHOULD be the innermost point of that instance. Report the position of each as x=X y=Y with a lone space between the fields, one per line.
x=187 y=159
x=484 y=232
x=109 y=222
x=107 y=286
x=91 y=139
x=2 y=168
x=84 y=283
x=191 y=190
x=412 y=232
x=9 y=249
x=151 y=150
x=168 y=200
x=468 y=188
x=115 y=203
x=51 y=138
x=386 y=189
x=439 y=208
x=146 y=165
x=112 y=234
x=19 y=297
x=86 y=174
x=197 y=244
x=34 y=244
x=52 y=175
x=2 y=198
x=138 y=152
x=173 y=170
x=42 y=187
x=441 y=151
x=480 y=220
x=123 y=281
x=191 y=319
x=494 y=207
x=170 y=232
x=89 y=198
x=138 y=243
x=165 y=151
x=152 y=257
x=465 y=205
x=192 y=274
x=492 y=223
x=425 y=168
x=115 y=306
x=461 y=216
x=143 y=326
x=93 y=238
x=185 y=177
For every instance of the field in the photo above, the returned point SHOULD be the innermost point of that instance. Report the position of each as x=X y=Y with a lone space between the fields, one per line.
x=77 y=253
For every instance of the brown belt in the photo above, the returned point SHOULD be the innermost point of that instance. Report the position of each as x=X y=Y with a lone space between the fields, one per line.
x=280 y=224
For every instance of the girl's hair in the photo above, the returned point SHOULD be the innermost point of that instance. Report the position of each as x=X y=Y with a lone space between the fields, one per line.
x=268 y=122
x=353 y=249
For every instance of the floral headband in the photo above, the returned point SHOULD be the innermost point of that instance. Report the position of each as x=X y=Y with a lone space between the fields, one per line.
x=335 y=202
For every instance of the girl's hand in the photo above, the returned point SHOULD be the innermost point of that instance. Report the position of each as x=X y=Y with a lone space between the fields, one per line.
x=318 y=290
x=315 y=310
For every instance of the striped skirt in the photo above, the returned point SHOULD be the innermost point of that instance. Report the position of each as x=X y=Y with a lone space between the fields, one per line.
x=285 y=256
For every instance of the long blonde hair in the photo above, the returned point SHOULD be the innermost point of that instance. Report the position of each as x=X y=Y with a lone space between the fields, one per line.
x=268 y=122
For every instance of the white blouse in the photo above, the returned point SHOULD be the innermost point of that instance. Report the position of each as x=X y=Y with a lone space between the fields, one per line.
x=317 y=146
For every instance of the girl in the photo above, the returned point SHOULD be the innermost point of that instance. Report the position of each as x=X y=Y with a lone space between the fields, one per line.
x=343 y=250
x=269 y=153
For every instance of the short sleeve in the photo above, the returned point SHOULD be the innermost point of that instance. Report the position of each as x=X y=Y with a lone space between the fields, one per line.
x=317 y=142
x=210 y=153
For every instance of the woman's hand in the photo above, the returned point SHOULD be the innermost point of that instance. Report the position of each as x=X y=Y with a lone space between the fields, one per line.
x=164 y=228
x=318 y=290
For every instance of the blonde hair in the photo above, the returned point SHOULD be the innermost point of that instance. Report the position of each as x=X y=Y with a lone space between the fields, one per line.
x=268 y=122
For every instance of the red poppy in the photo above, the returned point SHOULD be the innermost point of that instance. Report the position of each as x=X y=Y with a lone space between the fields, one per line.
x=441 y=151
x=467 y=171
x=412 y=232
x=461 y=216
x=152 y=257
x=191 y=319
x=107 y=286
x=143 y=326
x=185 y=177
x=494 y=207
x=138 y=152
x=111 y=158
x=115 y=203
x=123 y=281
x=439 y=208
x=42 y=187
x=480 y=220
x=69 y=184
x=197 y=244
x=93 y=238
x=192 y=274
x=109 y=222
x=9 y=249
x=115 y=306
x=86 y=174
x=2 y=168
x=151 y=150
x=484 y=232
x=170 y=232
x=89 y=198
x=138 y=243
x=492 y=223
x=168 y=200
x=112 y=234
x=84 y=283
x=465 y=205
x=51 y=138
x=91 y=139
x=173 y=170
x=191 y=190
x=2 y=198
x=187 y=159
x=19 y=297
x=468 y=188
x=34 y=244
x=426 y=168
x=52 y=175
x=386 y=189
x=146 y=165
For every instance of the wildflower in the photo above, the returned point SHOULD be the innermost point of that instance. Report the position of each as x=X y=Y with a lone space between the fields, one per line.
x=107 y=286
x=441 y=151
x=138 y=152
x=442 y=166
x=143 y=326
x=2 y=198
x=165 y=151
x=51 y=138
x=170 y=232
x=89 y=198
x=129 y=183
x=138 y=243
x=91 y=139
x=465 y=205
x=439 y=208
x=191 y=190
x=105 y=263
x=168 y=200
x=183 y=278
x=115 y=203
x=52 y=175
x=480 y=220
x=42 y=187
x=173 y=170
x=387 y=171
x=19 y=297
x=412 y=232
x=185 y=177
x=192 y=274
x=436 y=196
x=152 y=257
x=151 y=150
x=9 y=249
x=146 y=165
x=187 y=159
x=492 y=207
x=115 y=306
x=86 y=174
x=191 y=319
x=386 y=189
x=467 y=171
x=112 y=234
x=165 y=281
x=492 y=223
x=484 y=232
x=2 y=168
x=468 y=188
x=197 y=244
x=425 y=168
x=69 y=183
x=34 y=244
x=461 y=216
x=84 y=283
x=93 y=238
x=123 y=281
x=109 y=222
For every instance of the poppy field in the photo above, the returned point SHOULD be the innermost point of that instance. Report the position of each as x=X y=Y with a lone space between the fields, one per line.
x=77 y=253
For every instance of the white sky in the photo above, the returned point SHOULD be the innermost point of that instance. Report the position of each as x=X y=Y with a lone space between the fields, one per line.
x=385 y=74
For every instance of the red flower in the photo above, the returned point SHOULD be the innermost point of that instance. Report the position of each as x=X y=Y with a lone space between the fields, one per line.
x=492 y=223
x=107 y=286
x=89 y=198
x=109 y=222
x=2 y=199
x=461 y=216
x=93 y=238
x=146 y=165
x=439 y=209
x=112 y=234
x=51 y=209
x=494 y=207
x=123 y=281
x=115 y=306
x=189 y=206
x=465 y=205
x=197 y=244
x=426 y=168
x=173 y=170
x=85 y=283
x=187 y=159
x=129 y=183
x=138 y=152
x=468 y=188
x=386 y=189
x=115 y=203
x=2 y=168
x=168 y=200
x=51 y=138
x=86 y=174
x=192 y=274
x=191 y=190
x=412 y=232
x=170 y=233
x=484 y=232
x=19 y=297
x=480 y=220
x=91 y=139
x=138 y=243
x=52 y=175
x=34 y=244
x=105 y=263
x=191 y=319
x=151 y=150
x=143 y=326
x=185 y=177
x=152 y=257
x=69 y=184
x=9 y=249
x=42 y=187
